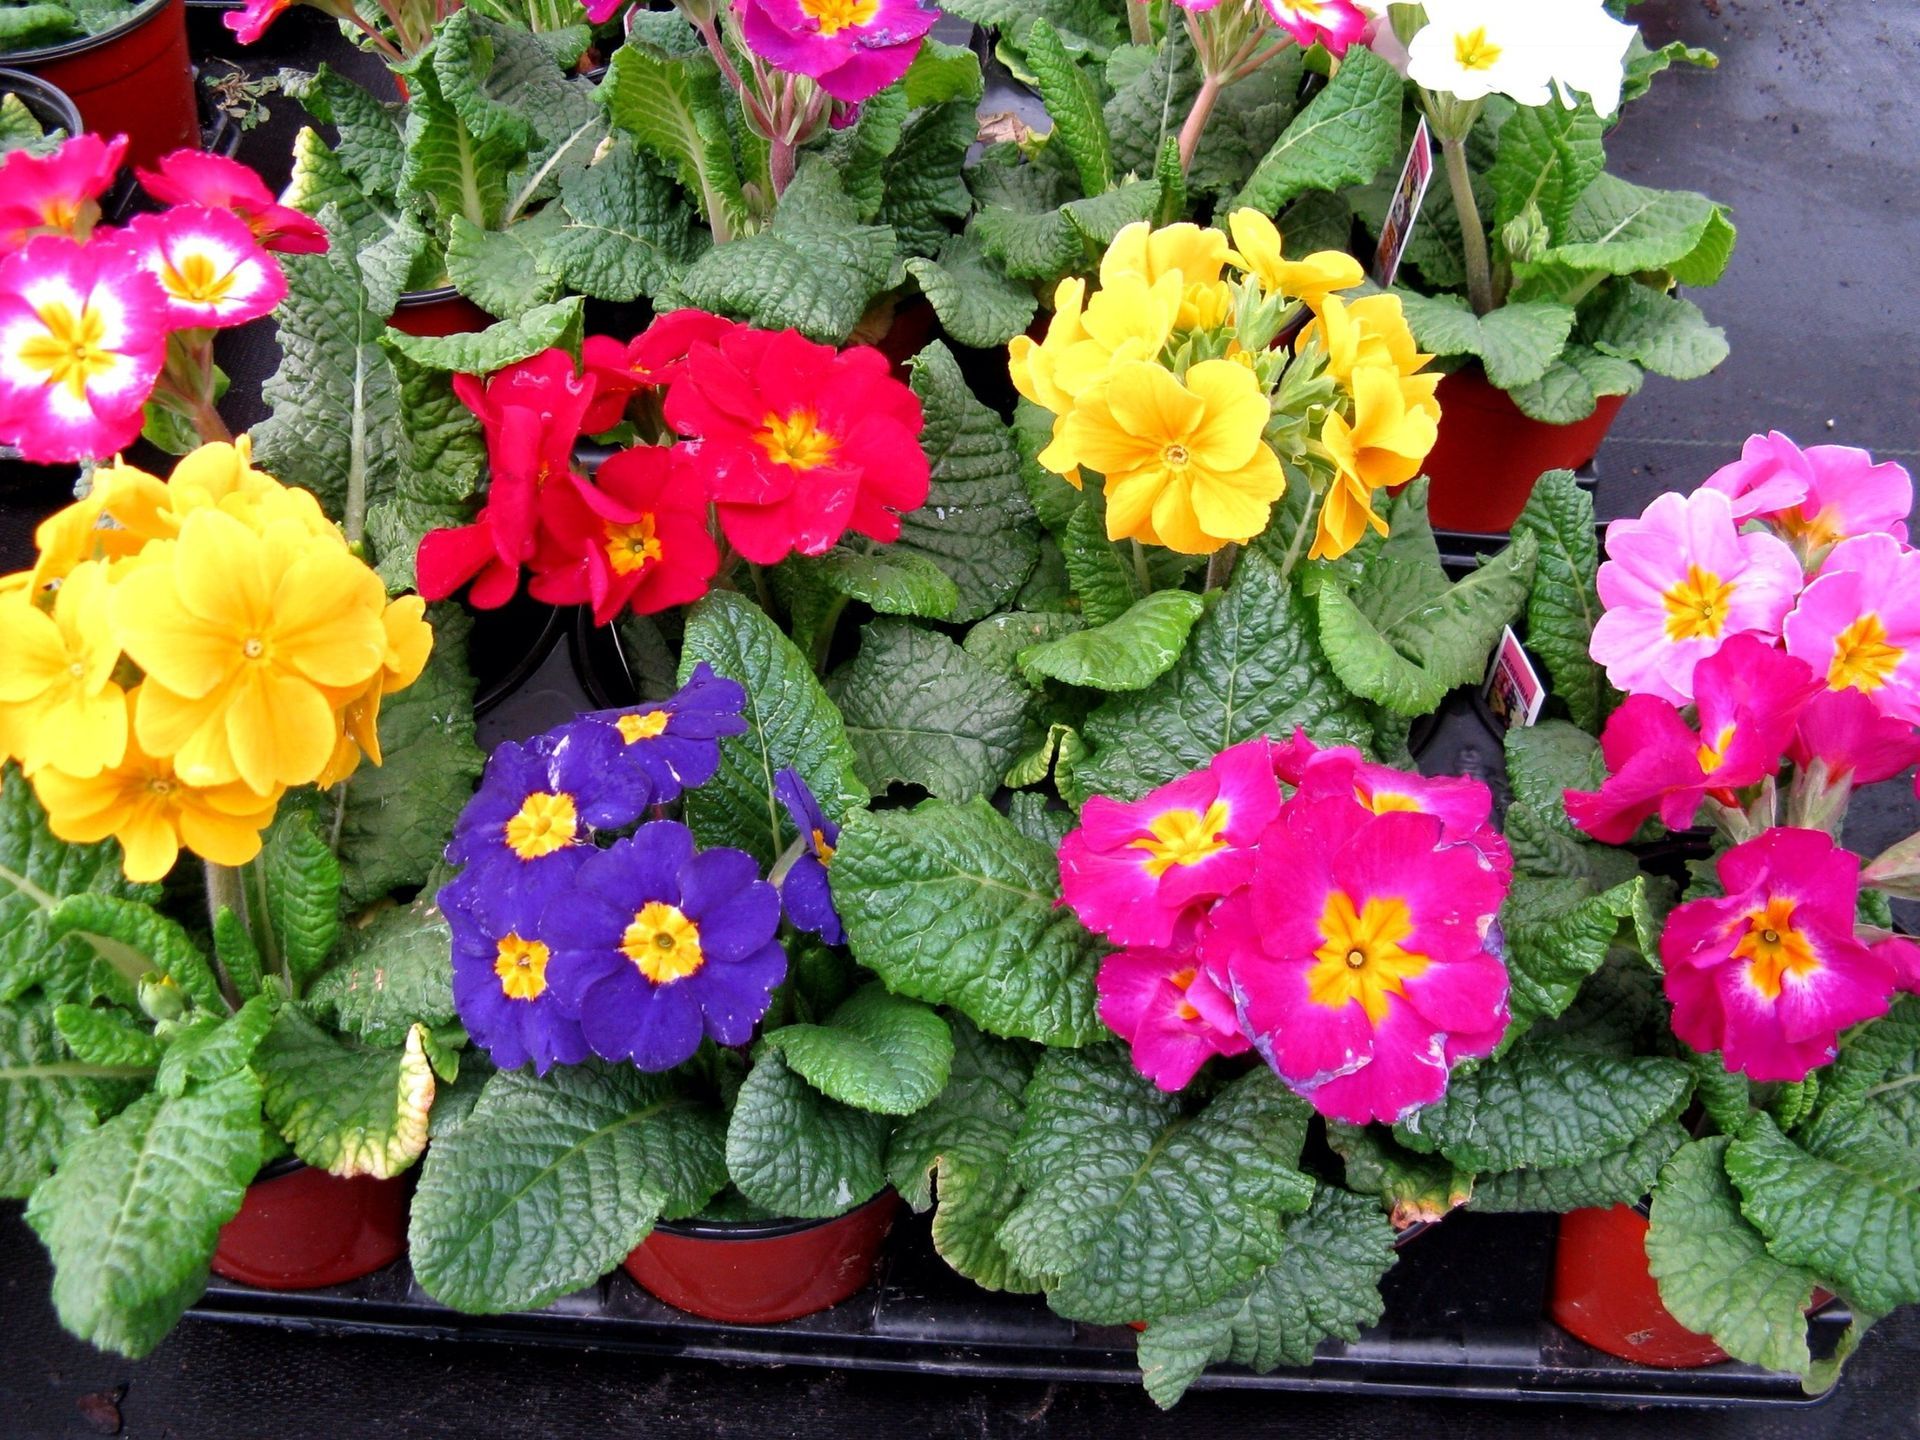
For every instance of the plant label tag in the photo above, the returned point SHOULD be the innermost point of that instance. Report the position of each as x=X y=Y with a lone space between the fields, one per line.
x=1514 y=691
x=1408 y=196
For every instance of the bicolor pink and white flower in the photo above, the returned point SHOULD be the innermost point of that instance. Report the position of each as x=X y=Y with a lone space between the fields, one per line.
x=1679 y=582
x=1818 y=496
x=853 y=48
x=1336 y=24
x=1135 y=872
x=1361 y=957
x=1170 y=1011
x=1853 y=741
x=83 y=333
x=1858 y=623
x=56 y=194
x=211 y=271
x=197 y=177
x=1770 y=973
x=1749 y=695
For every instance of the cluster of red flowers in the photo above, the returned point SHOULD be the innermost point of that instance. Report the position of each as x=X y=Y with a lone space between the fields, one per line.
x=790 y=443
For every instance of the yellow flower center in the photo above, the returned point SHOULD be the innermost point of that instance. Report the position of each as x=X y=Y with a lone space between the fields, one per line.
x=1386 y=802
x=836 y=15
x=663 y=943
x=1862 y=658
x=632 y=547
x=59 y=213
x=1182 y=980
x=796 y=439
x=196 y=280
x=1360 y=956
x=821 y=849
x=1773 y=949
x=1183 y=837
x=1473 y=51
x=253 y=647
x=1174 y=457
x=69 y=353
x=1713 y=755
x=543 y=824
x=1697 y=606
x=642 y=727
x=161 y=786
x=522 y=967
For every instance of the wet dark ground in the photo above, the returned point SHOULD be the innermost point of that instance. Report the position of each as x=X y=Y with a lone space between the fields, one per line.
x=1811 y=131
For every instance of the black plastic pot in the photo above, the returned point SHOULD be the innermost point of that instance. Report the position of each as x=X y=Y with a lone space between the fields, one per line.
x=45 y=101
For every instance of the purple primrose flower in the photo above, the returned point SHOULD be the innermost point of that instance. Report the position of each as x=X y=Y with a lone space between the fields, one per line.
x=805 y=891
x=618 y=763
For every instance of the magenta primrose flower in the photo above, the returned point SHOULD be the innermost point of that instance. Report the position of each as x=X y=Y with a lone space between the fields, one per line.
x=1772 y=972
x=1844 y=732
x=1134 y=872
x=1336 y=24
x=55 y=194
x=254 y=19
x=197 y=177
x=1680 y=581
x=212 y=272
x=1363 y=958
x=853 y=48
x=1858 y=623
x=1171 y=1011
x=1818 y=496
x=1750 y=697
x=83 y=333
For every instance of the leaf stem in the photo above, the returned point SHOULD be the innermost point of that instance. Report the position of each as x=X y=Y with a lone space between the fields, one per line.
x=1142 y=576
x=1139 y=23
x=224 y=892
x=1220 y=566
x=1294 y=545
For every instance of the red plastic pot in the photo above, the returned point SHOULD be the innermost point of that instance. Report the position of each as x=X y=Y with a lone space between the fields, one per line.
x=437 y=312
x=134 y=80
x=301 y=1228
x=1604 y=1294
x=761 y=1272
x=1490 y=452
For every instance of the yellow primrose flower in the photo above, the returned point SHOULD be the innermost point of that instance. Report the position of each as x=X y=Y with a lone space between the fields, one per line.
x=1185 y=464
x=1186 y=250
x=116 y=518
x=1031 y=364
x=244 y=637
x=1369 y=331
x=409 y=642
x=1385 y=444
x=1129 y=320
x=1257 y=243
x=56 y=676
x=153 y=813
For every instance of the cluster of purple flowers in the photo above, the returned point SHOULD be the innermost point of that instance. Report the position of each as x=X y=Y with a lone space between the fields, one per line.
x=635 y=950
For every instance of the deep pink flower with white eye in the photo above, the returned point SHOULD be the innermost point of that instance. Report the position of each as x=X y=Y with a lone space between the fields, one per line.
x=1679 y=582
x=1770 y=973
x=1843 y=731
x=1360 y=958
x=1818 y=496
x=196 y=177
x=854 y=48
x=1170 y=1011
x=1749 y=695
x=1133 y=871
x=1858 y=623
x=1335 y=24
x=55 y=194
x=83 y=332
x=212 y=272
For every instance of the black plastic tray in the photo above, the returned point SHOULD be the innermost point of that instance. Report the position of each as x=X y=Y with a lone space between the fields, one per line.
x=1465 y=1318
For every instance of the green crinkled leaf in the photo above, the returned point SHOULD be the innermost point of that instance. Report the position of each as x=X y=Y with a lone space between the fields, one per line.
x=877 y=1051
x=109 y=1037
x=1344 y=136
x=208 y=1048
x=370 y=130
x=302 y=882
x=394 y=971
x=1325 y=1285
x=504 y=272
x=1618 y=227
x=790 y=722
x=135 y=938
x=457 y=171
x=674 y=107
x=925 y=194
x=794 y=1151
x=998 y=641
x=1412 y=1187
x=50 y=1093
x=551 y=1181
x=627 y=231
x=348 y=1108
x=1715 y=1271
x=1516 y=343
x=1558 y=933
x=891 y=581
x=974 y=524
x=977 y=303
x=398 y=815
x=1664 y=333
x=952 y=905
x=1103 y=581
x=1726 y=1095
x=941 y=72
x=919 y=710
x=1078 y=125
x=234 y=948
x=1128 y=653
x=953 y=1153
x=132 y=1216
x=1564 y=605
x=1134 y=1209
x=859 y=152
x=501 y=344
x=1707 y=261
x=1252 y=666
x=1542 y=1105
x=1547 y=156
x=1623 y=1177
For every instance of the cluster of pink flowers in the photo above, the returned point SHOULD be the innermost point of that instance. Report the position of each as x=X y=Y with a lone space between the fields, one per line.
x=93 y=318
x=1335 y=916
x=790 y=443
x=1771 y=617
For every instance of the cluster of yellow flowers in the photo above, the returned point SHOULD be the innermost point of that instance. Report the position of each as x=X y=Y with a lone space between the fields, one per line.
x=183 y=651
x=1167 y=381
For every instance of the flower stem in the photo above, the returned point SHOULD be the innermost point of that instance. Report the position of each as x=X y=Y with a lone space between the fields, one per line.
x=1140 y=572
x=1220 y=566
x=1197 y=118
x=1294 y=545
x=1139 y=23
x=1473 y=234
x=782 y=159
x=225 y=891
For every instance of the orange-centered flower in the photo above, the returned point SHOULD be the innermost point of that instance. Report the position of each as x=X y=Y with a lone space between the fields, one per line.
x=1184 y=837
x=1360 y=956
x=1773 y=948
x=796 y=439
x=663 y=942
x=522 y=967
x=1697 y=606
x=544 y=823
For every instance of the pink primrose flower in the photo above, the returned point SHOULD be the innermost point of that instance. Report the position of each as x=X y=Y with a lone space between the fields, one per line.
x=212 y=272
x=1335 y=24
x=854 y=48
x=196 y=177
x=1843 y=730
x=1818 y=496
x=1858 y=623
x=55 y=194
x=1170 y=1011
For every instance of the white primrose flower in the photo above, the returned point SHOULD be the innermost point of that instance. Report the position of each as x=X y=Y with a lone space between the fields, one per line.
x=1523 y=49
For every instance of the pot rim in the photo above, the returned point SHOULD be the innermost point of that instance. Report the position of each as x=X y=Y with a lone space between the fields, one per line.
x=552 y=631
x=40 y=94
x=724 y=1230
x=67 y=49
x=428 y=297
x=278 y=1169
